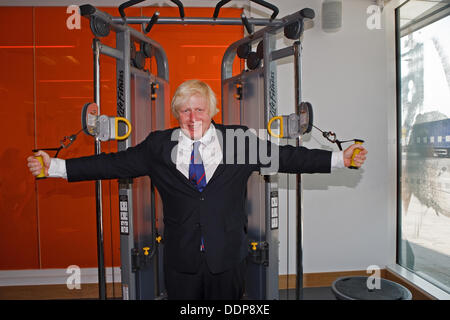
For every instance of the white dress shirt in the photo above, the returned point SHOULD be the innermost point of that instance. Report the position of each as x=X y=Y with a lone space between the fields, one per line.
x=210 y=151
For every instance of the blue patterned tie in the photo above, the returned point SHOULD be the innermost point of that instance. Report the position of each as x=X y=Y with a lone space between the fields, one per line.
x=197 y=176
x=196 y=168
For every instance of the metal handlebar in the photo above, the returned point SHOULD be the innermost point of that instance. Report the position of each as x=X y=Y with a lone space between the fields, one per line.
x=130 y=3
x=247 y=24
x=127 y=4
x=269 y=6
x=180 y=7
x=263 y=3
x=152 y=22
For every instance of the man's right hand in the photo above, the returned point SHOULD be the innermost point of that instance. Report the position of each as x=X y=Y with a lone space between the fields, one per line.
x=35 y=166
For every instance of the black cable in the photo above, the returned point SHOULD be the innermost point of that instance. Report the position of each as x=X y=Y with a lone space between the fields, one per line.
x=317 y=128
x=327 y=134
x=71 y=138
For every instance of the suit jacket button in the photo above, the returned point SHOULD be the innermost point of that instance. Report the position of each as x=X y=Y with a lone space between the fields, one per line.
x=202 y=198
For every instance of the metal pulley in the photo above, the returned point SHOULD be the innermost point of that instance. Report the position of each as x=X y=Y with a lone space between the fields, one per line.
x=99 y=27
x=295 y=124
x=103 y=127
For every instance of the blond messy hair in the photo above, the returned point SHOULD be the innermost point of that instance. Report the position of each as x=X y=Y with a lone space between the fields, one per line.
x=190 y=88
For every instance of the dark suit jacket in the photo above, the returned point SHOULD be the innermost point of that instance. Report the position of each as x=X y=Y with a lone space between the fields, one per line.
x=217 y=213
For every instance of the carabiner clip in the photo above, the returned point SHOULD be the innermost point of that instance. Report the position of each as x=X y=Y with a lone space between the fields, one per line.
x=329 y=134
x=71 y=139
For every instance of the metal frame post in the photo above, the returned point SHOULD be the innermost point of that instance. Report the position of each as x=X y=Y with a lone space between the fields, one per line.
x=98 y=183
x=271 y=183
x=268 y=34
x=125 y=187
x=299 y=217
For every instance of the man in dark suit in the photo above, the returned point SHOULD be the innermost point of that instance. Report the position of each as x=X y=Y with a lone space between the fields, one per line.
x=201 y=171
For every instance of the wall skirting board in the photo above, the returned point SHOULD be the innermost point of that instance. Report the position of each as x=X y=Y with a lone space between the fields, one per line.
x=54 y=276
x=46 y=284
x=51 y=283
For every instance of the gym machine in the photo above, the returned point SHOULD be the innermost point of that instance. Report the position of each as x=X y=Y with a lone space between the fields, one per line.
x=248 y=98
x=141 y=99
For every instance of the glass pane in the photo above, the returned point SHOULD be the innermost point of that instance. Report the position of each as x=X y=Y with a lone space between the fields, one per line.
x=424 y=229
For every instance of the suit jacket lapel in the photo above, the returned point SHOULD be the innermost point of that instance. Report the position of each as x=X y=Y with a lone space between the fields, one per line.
x=220 y=130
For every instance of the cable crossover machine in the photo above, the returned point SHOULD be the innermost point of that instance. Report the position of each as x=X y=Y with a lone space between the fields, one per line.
x=249 y=98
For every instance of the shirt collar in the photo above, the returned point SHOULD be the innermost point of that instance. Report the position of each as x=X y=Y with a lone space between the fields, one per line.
x=207 y=138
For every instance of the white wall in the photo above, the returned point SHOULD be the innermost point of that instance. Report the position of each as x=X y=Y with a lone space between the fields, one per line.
x=349 y=216
x=346 y=213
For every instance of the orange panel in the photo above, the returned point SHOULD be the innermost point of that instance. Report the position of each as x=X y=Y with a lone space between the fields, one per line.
x=64 y=82
x=18 y=220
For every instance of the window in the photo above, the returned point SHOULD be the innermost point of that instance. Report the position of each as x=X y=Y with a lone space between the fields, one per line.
x=423 y=91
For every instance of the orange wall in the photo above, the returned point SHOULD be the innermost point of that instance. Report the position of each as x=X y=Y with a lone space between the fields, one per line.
x=19 y=247
x=46 y=78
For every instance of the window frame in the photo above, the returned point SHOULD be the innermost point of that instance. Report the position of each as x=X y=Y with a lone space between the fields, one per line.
x=423 y=20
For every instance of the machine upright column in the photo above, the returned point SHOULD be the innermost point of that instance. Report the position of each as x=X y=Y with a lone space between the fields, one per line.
x=98 y=183
x=299 y=251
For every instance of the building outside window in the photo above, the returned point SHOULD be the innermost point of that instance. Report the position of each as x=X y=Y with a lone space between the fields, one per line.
x=423 y=95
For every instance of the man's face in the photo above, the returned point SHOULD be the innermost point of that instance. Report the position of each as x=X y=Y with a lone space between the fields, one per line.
x=194 y=117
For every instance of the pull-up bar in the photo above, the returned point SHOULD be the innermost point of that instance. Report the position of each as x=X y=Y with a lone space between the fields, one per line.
x=196 y=20
x=130 y=3
x=219 y=5
x=200 y=21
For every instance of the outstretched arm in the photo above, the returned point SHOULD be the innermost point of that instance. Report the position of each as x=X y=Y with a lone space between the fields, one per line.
x=133 y=162
x=303 y=160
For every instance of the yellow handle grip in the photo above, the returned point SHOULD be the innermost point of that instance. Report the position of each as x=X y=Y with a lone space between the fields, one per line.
x=355 y=152
x=117 y=128
x=269 y=127
x=42 y=174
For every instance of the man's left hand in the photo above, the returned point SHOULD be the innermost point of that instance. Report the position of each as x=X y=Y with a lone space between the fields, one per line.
x=359 y=158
